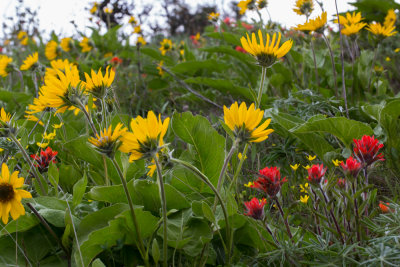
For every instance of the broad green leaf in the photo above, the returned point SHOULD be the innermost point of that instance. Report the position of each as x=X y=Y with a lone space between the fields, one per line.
x=210 y=65
x=79 y=191
x=23 y=223
x=225 y=36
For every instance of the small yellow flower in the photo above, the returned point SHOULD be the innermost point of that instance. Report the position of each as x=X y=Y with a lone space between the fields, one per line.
x=166 y=45
x=240 y=156
x=337 y=162
x=244 y=5
x=51 y=50
x=58 y=126
x=314 y=25
x=108 y=10
x=5 y=65
x=306 y=167
x=351 y=18
x=304 y=7
x=295 y=166
x=303 y=189
x=390 y=18
x=397 y=50
x=304 y=199
x=86 y=45
x=381 y=31
x=49 y=136
x=311 y=158
x=159 y=67
x=30 y=61
x=141 y=40
x=66 y=44
x=351 y=29
x=97 y=84
x=94 y=8
x=388 y=59
x=213 y=16
x=132 y=20
x=108 y=140
x=42 y=145
x=137 y=29
x=5 y=117
x=152 y=168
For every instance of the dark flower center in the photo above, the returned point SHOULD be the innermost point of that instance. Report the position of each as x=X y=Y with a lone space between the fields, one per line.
x=6 y=192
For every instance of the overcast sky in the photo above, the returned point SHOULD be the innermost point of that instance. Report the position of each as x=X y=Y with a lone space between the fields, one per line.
x=57 y=14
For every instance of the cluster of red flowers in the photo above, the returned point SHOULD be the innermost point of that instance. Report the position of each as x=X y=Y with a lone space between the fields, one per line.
x=43 y=161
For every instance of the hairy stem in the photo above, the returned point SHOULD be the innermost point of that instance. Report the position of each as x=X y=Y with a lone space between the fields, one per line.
x=283 y=217
x=260 y=90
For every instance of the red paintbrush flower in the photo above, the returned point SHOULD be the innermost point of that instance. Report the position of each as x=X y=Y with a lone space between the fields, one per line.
x=255 y=208
x=367 y=149
x=352 y=166
x=43 y=161
x=341 y=182
x=315 y=173
x=240 y=49
x=116 y=61
x=270 y=181
x=384 y=207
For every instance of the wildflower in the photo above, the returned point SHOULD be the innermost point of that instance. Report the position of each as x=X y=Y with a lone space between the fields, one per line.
x=228 y=21
x=337 y=162
x=11 y=195
x=30 y=61
x=49 y=136
x=34 y=119
x=160 y=69
x=390 y=18
x=141 y=40
x=244 y=122
x=381 y=31
x=108 y=141
x=42 y=162
x=94 y=8
x=240 y=156
x=5 y=65
x=42 y=145
x=270 y=181
x=108 y=10
x=51 y=50
x=397 y=50
x=314 y=25
x=5 y=118
x=244 y=5
x=116 y=61
x=249 y=184
x=137 y=29
x=351 y=29
x=247 y=26
x=240 y=49
x=351 y=18
x=266 y=54
x=295 y=166
x=195 y=38
x=304 y=199
x=255 y=208
x=152 y=169
x=86 y=45
x=166 y=45
x=311 y=158
x=66 y=44
x=132 y=20
x=306 y=167
x=58 y=64
x=388 y=59
x=303 y=189
x=316 y=172
x=58 y=126
x=98 y=84
x=261 y=4
x=23 y=37
x=341 y=182
x=304 y=7
x=146 y=137
x=384 y=207
x=366 y=150
x=213 y=16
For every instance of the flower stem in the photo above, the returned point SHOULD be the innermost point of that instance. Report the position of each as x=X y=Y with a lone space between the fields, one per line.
x=333 y=63
x=372 y=68
x=89 y=119
x=315 y=206
x=315 y=62
x=270 y=232
x=283 y=217
x=133 y=215
x=164 y=208
x=356 y=211
x=27 y=159
x=260 y=90
x=239 y=168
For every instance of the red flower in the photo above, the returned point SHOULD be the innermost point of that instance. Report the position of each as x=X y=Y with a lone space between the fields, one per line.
x=352 y=166
x=367 y=150
x=384 y=207
x=340 y=182
x=270 y=182
x=255 y=208
x=240 y=49
x=44 y=159
x=247 y=26
x=316 y=172
x=116 y=60
x=228 y=21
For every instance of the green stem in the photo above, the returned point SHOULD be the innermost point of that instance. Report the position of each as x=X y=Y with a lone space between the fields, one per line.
x=315 y=61
x=372 y=69
x=332 y=62
x=89 y=119
x=164 y=208
x=133 y=215
x=26 y=157
x=283 y=217
x=239 y=168
x=260 y=90
x=207 y=182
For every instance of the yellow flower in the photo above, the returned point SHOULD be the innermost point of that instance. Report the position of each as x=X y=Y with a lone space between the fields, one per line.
x=58 y=126
x=295 y=166
x=51 y=51
x=94 y=8
x=390 y=18
x=244 y=5
x=397 y=50
x=30 y=61
x=306 y=167
x=49 y=136
x=388 y=59
x=304 y=199
x=303 y=189
x=159 y=67
x=108 y=10
x=304 y=7
x=5 y=66
x=66 y=44
x=213 y=16
x=146 y=137
x=132 y=20
x=166 y=45
x=141 y=40
x=380 y=30
x=86 y=45
x=378 y=68
x=350 y=29
x=337 y=162
x=266 y=54
x=137 y=29
x=21 y=35
x=314 y=25
x=245 y=122
x=34 y=119
x=152 y=169
x=11 y=195
x=107 y=141
x=98 y=84
x=249 y=184
x=311 y=158
x=7 y=42
x=42 y=145
x=25 y=41
x=240 y=156
x=58 y=64
x=108 y=55
x=5 y=117
x=261 y=4
x=351 y=18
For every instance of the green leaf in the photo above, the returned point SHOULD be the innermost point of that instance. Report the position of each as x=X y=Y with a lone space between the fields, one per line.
x=155 y=251
x=207 y=212
x=79 y=191
x=225 y=36
x=22 y=224
x=228 y=50
x=210 y=65
x=98 y=263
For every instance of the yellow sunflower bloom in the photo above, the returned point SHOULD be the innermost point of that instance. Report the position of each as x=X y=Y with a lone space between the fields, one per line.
x=166 y=45
x=390 y=18
x=30 y=61
x=146 y=137
x=86 y=45
x=97 y=84
x=245 y=122
x=49 y=136
x=380 y=30
x=21 y=35
x=152 y=168
x=34 y=119
x=51 y=50
x=266 y=54
x=5 y=65
x=11 y=194
x=350 y=18
x=244 y=5
x=108 y=140
x=58 y=64
x=351 y=29
x=304 y=7
x=313 y=25
x=5 y=117
x=213 y=16
x=66 y=44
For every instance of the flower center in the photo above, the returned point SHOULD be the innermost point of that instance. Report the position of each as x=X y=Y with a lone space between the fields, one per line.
x=6 y=192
